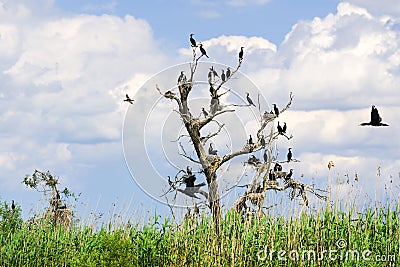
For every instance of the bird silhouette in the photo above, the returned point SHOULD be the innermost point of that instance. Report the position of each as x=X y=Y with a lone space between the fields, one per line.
x=276 y=110
x=265 y=156
x=128 y=99
x=12 y=205
x=271 y=175
x=280 y=129
x=289 y=175
x=277 y=167
x=262 y=141
x=182 y=78
x=211 y=150
x=250 y=140
x=376 y=119
x=223 y=77
x=192 y=40
x=241 y=54
x=284 y=127
x=249 y=100
x=203 y=51
x=289 y=154
x=205 y=113
x=228 y=73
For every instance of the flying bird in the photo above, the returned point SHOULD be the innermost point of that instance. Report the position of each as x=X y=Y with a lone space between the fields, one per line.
x=192 y=40
x=376 y=119
x=203 y=51
x=276 y=110
x=182 y=78
x=205 y=113
x=249 y=100
x=241 y=54
x=289 y=154
x=211 y=150
x=128 y=99
x=228 y=73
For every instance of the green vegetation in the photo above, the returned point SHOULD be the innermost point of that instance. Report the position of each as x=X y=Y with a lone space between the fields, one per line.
x=375 y=233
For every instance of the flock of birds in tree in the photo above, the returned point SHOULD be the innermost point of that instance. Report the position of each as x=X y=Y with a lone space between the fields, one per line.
x=189 y=178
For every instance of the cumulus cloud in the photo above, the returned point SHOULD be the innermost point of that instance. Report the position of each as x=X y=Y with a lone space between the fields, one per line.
x=384 y=7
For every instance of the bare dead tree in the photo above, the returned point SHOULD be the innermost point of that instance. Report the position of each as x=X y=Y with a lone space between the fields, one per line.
x=210 y=162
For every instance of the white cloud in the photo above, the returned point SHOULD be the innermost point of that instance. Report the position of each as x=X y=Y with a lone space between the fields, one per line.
x=388 y=7
x=247 y=2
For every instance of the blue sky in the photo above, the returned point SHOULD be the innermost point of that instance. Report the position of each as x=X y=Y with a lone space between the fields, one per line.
x=66 y=66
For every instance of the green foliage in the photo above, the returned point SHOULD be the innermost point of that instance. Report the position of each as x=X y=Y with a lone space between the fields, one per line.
x=195 y=242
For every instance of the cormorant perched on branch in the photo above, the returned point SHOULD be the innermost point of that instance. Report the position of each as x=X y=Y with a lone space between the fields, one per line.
x=228 y=73
x=265 y=156
x=249 y=99
x=276 y=110
x=284 y=127
x=13 y=205
x=211 y=150
x=289 y=175
x=182 y=78
x=277 y=167
x=253 y=160
x=250 y=140
x=376 y=119
x=241 y=54
x=192 y=40
x=271 y=176
x=223 y=78
x=280 y=129
x=262 y=141
x=205 y=113
x=289 y=154
x=202 y=50
x=128 y=99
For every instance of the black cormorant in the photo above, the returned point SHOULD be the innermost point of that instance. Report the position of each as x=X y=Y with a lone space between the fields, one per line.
x=205 y=113
x=279 y=127
x=265 y=156
x=203 y=51
x=271 y=176
x=284 y=127
x=223 y=78
x=228 y=73
x=249 y=99
x=289 y=175
x=277 y=167
x=192 y=40
x=211 y=150
x=12 y=205
x=262 y=141
x=289 y=154
x=241 y=54
x=128 y=99
x=250 y=140
x=276 y=110
x=182 y=78
x=376 y=119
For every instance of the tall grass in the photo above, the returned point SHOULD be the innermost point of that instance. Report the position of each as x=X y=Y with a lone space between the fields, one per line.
x=269 y=241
